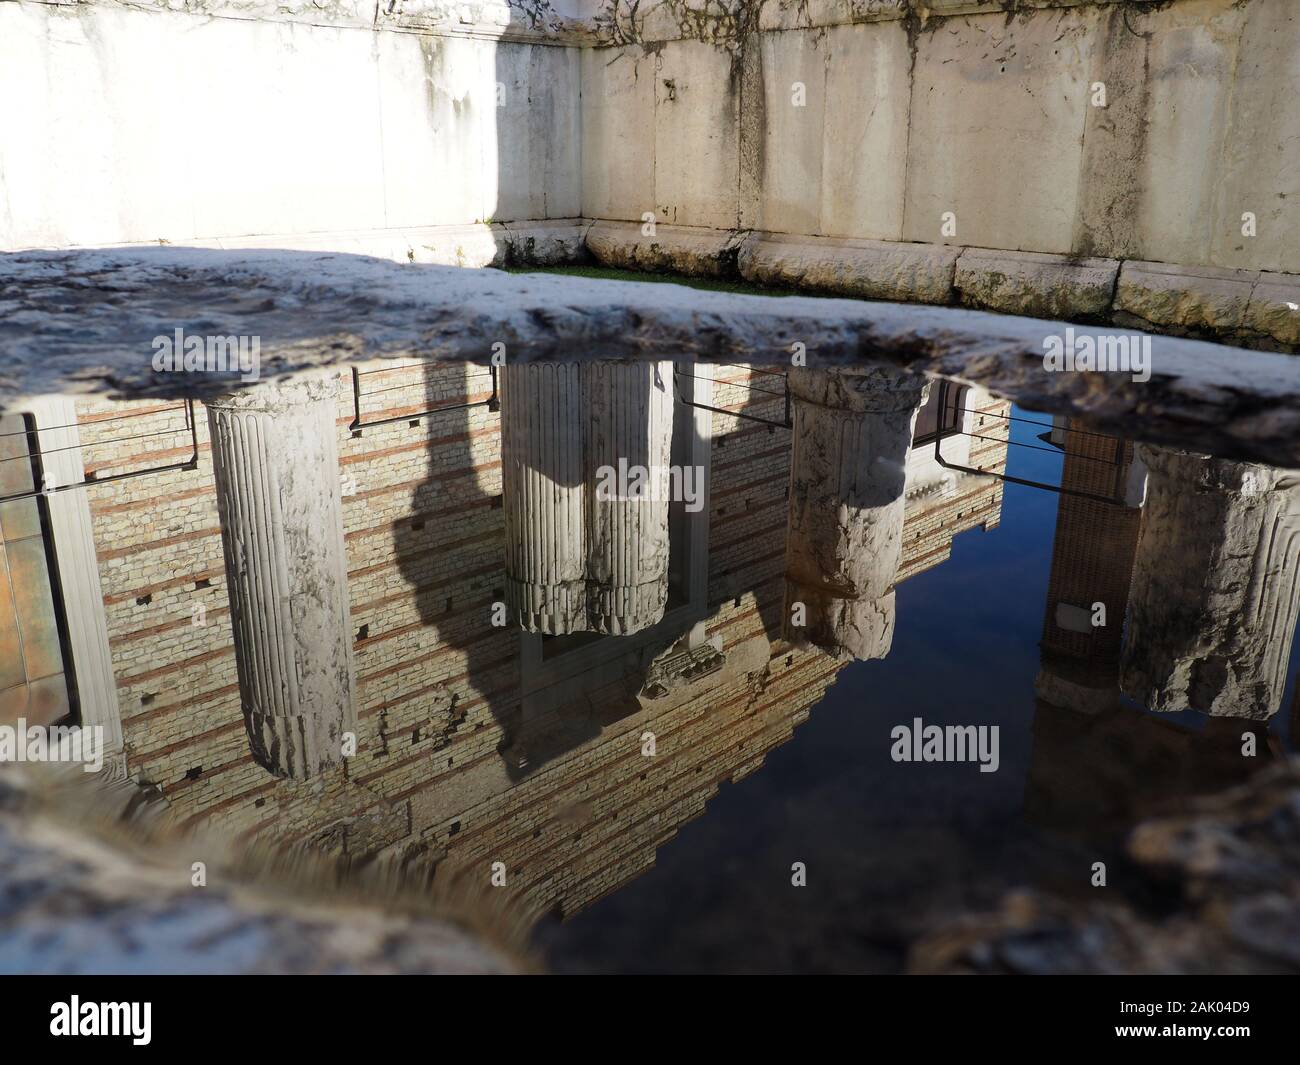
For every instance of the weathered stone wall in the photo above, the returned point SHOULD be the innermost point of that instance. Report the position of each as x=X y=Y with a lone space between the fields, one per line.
x=882 y=149
x=939 y=152
x=871 y=121
x=259 y=123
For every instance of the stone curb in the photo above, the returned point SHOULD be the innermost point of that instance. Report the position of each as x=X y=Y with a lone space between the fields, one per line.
x=1249 y=308
x=78 y=321
x=872 y=269
x=1246 y=308
x=1035 y=284
x=681 y=249
x=1185 y=298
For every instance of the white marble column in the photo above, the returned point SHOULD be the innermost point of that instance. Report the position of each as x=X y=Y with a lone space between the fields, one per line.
x=63 y=463
x=629 y=428
x=852 y=433
x=275 y=459
x=542 y=485
x=1216 y=586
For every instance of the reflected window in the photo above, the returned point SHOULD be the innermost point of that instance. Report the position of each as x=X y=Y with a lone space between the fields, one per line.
x=35 y=679
x=934 y=424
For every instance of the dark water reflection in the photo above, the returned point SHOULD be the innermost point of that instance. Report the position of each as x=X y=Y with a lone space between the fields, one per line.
x=648 y=719
x=893 y=848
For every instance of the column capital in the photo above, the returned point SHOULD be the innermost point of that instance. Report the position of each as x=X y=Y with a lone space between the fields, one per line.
x=1215 y=592
x=848 y=472
x=851 y=390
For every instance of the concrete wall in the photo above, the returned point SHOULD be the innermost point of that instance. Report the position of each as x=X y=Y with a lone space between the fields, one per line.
x=126 y=125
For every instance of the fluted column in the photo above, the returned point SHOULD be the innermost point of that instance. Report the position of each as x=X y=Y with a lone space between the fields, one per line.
x=542 y=484
x=852 y=433
x=1216 y=586
x=275 y=460
x=630 y=428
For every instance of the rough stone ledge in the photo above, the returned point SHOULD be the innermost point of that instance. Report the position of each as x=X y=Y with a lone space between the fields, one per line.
x=1040 y=285
x=1248 y=307
x=553 y=242
x=474 y=245
x=494 y=20
x=1243 y=307
x=871 y=269
x=677 y=249
x=88 y=872
x=1274 y=308
x=85 y=321
x=1185 y=298
x=661 y=21
x=544 y=242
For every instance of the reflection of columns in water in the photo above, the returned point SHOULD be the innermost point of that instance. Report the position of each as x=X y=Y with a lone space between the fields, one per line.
x=542 y=476
x=630 y=419
x=1216 y=586
x=275 y=460
x=576 y=561
x=1092 y=562
x=852 y=432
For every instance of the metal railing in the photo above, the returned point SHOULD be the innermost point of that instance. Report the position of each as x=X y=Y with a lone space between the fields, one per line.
x=1116 y=460
x=35 y=452
x=782 y=391
x=493 y=402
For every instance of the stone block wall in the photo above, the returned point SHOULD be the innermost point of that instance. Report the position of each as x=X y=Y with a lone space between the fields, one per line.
x=961 y=153
x=872 y=121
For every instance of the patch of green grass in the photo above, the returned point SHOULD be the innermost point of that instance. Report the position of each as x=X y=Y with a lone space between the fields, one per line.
x=610 y=273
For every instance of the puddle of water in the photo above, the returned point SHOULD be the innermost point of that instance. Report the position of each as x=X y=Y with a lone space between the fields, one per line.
x=644 y=646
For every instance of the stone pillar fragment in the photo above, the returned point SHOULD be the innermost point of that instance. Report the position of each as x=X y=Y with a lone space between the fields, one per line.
x=630 y=435
x=543 y=488
x=586 y=450
x=852 y=433
x=1216 y=586
x=275 y=460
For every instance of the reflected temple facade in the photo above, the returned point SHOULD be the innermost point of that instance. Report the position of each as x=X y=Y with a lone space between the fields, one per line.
x=418 y=557
x=283 y=572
